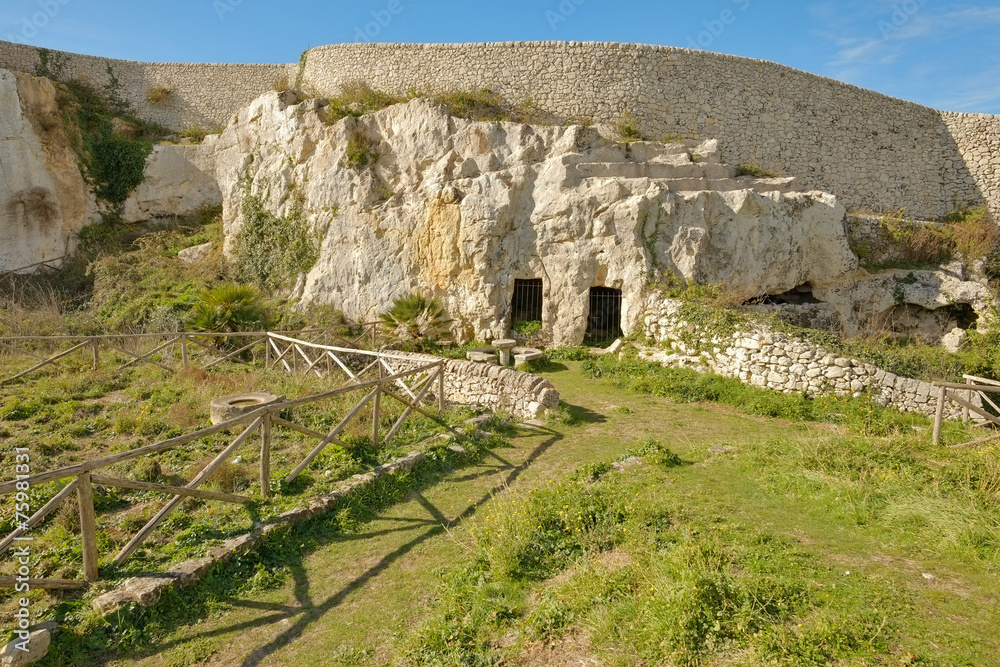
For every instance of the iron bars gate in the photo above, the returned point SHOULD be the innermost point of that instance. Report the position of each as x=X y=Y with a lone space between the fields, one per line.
x=604 y=323
x=526 y=306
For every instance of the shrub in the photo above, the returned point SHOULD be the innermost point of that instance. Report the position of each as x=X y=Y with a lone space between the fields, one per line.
x=230 y=307
x=413 y=321
x=481 y=105
x=272 y=250
x=116 y=166
x=197 y=133
x=359 y=152
x=966 y=232
x=527 y=327
x=357 y=99
x=973 y=232
x=753 y=169
x=628 y=129
x=113 y=164
x=159 y=96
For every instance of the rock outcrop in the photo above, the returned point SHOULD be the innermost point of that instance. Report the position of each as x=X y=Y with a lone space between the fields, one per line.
x=413 y=199
x=44 y=200
x=460 y=209
x=179 y=180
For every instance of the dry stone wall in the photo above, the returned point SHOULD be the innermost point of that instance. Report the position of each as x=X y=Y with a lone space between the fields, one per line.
x=871 y=150
x=207 y=95
x=768 y=359
x=498 y=388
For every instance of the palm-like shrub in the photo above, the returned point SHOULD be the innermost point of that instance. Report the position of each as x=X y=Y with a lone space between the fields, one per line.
x=230 y=307
x=413 y=321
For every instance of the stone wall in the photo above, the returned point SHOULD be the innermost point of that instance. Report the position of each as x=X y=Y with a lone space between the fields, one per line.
x=498 y=388
x=871 y=150
x=201 y=94
x=767 y=359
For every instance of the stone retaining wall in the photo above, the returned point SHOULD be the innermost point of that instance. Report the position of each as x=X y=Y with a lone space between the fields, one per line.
x=871 y=150
x=500 y=389
x=767 y=359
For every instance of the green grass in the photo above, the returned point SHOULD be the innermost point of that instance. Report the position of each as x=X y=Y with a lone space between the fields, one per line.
x=737 y=540
x=859 y=415
x=787 y=550
x=63 y=418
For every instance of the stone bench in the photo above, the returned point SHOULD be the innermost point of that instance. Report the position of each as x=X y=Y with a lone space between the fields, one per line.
x=482 y=355
x=523 y=355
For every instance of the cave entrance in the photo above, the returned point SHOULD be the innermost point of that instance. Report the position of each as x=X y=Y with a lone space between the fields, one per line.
x=796 y=296
x=604 y=323
x=526 y=306
x=963 y=315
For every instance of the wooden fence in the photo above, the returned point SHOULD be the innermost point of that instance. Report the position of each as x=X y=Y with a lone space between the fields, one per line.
x=169 y=351
x=414 y=384
x=954 y=391
x=49 y=264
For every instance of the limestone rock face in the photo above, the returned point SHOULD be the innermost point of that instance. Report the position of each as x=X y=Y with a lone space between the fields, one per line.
x=44 y=200
x=925 y=304
x=460 y=209
x=179 y=180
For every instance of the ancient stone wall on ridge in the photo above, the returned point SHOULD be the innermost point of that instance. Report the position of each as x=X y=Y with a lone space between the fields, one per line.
x=872 y=151
x=200 y=94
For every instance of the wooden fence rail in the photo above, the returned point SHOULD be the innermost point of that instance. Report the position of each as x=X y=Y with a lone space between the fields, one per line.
x=49 y=264
x=175 y=351
x=949 y=391
x=417 y=379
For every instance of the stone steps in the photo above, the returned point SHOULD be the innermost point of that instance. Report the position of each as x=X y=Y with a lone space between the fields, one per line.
x=689 y=177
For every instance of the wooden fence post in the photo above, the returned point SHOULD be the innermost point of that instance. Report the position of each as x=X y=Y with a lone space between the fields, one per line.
x=939 y=415
x=265 y=457
x=965 y=410
x=376 y=410
x=95 y=348
x=88 y=526
x=267 y=351
x=184 y=350
x=441 y=402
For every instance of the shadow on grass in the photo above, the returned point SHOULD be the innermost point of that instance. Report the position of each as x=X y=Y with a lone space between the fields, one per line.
x=575 y=415
x=187 y=606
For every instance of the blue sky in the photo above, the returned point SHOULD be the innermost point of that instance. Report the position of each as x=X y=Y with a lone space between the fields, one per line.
x=942 y=53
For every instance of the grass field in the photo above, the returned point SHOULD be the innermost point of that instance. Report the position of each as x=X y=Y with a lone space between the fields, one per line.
x=724 y=539
x=64 y=417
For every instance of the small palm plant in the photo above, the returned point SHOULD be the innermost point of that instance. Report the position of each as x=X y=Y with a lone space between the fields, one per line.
x=230 y=307
x=413 y=321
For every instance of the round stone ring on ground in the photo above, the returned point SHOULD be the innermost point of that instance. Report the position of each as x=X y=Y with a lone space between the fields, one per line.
x=225 y=408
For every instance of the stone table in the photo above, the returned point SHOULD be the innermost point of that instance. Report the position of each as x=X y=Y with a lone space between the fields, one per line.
x=504 y=346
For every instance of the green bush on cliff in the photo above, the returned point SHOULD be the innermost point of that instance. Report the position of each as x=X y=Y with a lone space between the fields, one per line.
x=272 y=250
x=112 y=145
